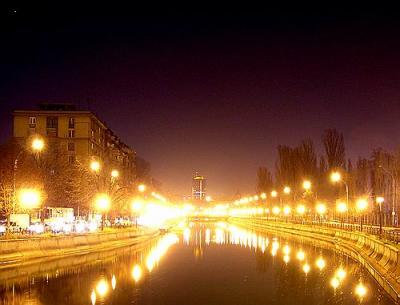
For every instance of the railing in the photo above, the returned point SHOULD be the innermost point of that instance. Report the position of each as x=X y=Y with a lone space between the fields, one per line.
x=391 y=234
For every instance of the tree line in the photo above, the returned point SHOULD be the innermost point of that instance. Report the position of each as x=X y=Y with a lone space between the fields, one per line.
x=371 y=176
x=61 y=182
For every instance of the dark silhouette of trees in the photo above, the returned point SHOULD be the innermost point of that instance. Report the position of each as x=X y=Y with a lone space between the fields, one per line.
x=264 y=180
x=333 y=142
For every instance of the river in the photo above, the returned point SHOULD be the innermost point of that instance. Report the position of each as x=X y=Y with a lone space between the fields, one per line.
x=202 y=263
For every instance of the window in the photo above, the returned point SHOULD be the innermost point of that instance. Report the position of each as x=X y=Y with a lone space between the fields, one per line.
x=71 y=159
x=71 y=133
x=71 y=123
x=71 y=146
x=32 y=122
x=52 y=122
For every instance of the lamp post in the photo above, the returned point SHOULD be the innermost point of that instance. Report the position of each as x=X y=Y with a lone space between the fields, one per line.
x=321 y=210
x=362 y=204
x=102 y=205
x=394 y=192
x=341 y=207
x=137 y=205
x=380 y=200
x=337 y=177
x=37 y=145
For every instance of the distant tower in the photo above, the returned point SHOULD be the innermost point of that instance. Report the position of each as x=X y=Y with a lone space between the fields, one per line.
x=198 y=188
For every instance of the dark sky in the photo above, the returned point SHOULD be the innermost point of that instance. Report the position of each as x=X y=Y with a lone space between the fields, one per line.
x=201 y=90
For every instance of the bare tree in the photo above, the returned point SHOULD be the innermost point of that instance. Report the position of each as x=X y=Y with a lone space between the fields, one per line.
x=334 y=148
x=264 y=180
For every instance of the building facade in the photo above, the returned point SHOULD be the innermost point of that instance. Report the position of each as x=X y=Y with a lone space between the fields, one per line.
x=198 y=188
x=80 y=135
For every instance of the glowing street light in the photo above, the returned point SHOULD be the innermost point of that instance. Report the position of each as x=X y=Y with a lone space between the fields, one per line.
x=29 y=198
x=274 y=194
x=286 y=210
x=114 y=173
x=276 y=210
x=380 y=200
x=307 y=185
x=141 y=188
x=287 y=190
x=337 y=177
x=362 y=205
x=95 y=166
x=37 y=144
x=103 y=205
x=263 y=196
x=341 y=207
x=301 y=209
x=321 y=208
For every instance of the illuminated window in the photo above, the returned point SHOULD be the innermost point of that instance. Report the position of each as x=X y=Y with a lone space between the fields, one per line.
x=71 y=123
x=32 y=122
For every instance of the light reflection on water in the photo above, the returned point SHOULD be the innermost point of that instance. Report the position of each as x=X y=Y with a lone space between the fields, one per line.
x=207 y=264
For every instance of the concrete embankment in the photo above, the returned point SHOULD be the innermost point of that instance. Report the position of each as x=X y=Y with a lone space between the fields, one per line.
x=380 y=258
x=16 y=251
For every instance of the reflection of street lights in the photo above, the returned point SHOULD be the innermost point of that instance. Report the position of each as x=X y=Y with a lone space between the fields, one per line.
x=380 y=200
x=337 y=177
x=103 y=205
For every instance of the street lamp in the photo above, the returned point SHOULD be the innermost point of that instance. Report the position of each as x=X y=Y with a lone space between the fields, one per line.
x=287 y=190
x=141 y=188
x=136 y=206
x=29 y=198
x=103 y=205
x=37 y=145
x=274 y=194
x=394 y=192
x=337 y=177
x=263 y=196
x=361 y=205
x=380 y=200
x=321 y=210
x=307 y=185
x=95 y=166
x=342 y=208
x=114 y=174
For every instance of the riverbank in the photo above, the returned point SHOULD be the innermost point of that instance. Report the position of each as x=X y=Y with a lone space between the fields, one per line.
x=380 y=258
x=13 y=252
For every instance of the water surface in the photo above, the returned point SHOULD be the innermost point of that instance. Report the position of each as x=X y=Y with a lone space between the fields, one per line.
x=212 y=263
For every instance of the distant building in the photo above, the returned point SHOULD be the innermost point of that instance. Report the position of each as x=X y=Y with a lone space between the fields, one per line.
x=79 y=135
x=198 y=188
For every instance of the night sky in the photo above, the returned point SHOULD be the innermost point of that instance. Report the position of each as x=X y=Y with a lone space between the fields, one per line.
x=205 y=91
